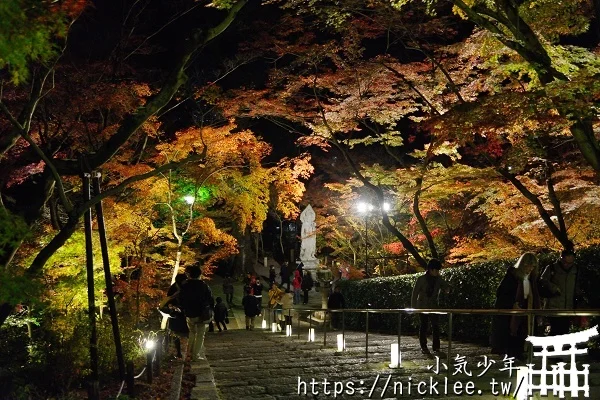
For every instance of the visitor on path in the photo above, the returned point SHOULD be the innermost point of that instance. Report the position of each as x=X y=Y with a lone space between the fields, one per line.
x=272 y=275
x=297 y=285
x=228 y=291
x=560 y=279
x=221 y=315
x=248 y=282
x=517 y=290
x=196 y=301
x=275 y=301
x=257 y=290
x=336 y=301
x=307 y=285
x=426 y=295
x=250 y=309
x=171 y=306
x=284 y=273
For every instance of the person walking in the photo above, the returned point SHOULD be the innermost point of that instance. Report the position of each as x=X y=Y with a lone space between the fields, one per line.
x=250 y=309
x=221 y=315
x=560 y=279
x=297 y=285
x=275 y=301
x=517 y=291
x=171 y=306
x=195 y=298
x=307 y=285
x=426 y=295
x=336 y=301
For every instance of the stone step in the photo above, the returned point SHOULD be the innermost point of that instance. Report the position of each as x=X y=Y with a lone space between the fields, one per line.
x=260 y=364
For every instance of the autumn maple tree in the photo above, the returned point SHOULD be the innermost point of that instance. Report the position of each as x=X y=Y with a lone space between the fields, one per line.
x=410 y=76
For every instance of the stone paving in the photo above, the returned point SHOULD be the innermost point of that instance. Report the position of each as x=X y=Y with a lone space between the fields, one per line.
x=263 y=365
x=259 y=364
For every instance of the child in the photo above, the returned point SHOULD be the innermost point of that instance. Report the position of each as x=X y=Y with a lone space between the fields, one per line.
x=250 y=309
x=221 y=315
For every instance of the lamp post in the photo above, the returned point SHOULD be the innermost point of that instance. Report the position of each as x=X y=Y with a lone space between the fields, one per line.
x=366 y=208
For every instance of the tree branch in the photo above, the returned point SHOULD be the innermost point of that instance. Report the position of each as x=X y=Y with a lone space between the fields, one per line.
x=155 y=104
x=556 y=232
x=554 y=199
x=71 y=225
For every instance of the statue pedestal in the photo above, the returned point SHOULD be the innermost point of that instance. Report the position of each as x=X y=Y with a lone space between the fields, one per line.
x=310 y=264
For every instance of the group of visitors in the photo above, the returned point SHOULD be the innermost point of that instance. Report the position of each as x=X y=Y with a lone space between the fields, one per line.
x=192 y=308
x=522 y=288
x=190 y=299
x=252 y=300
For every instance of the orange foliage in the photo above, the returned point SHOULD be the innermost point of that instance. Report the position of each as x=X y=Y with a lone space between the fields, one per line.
x=208 y=234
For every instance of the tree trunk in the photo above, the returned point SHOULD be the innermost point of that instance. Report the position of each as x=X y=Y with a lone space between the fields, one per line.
x=527 y=45
x=165 y=318
x=556 y=232
x=408 y=245
x=422 y=221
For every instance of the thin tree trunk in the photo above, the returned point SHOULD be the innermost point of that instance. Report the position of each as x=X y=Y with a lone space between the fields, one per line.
x=421 y=220
x=527 y=45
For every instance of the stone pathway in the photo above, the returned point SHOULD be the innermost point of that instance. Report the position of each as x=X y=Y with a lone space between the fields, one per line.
x=264 y=365
x=259 y=364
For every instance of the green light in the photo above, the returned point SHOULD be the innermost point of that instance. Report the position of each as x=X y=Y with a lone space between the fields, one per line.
x=203 y=193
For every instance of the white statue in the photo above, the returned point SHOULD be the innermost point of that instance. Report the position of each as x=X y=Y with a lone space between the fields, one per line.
x=308 y=234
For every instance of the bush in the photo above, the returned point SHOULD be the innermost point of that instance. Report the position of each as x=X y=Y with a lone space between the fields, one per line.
x=467 y=287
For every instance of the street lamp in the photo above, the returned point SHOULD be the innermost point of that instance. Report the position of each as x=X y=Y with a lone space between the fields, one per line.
x=366 y=208
x=189 y=199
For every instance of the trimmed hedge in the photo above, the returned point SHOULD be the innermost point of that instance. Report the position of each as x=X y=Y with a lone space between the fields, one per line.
x=466 y=287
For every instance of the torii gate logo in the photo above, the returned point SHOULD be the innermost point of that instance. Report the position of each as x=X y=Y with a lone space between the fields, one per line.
x=560 y=380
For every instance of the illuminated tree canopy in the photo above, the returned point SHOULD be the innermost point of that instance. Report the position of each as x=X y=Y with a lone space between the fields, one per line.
x=475 y=120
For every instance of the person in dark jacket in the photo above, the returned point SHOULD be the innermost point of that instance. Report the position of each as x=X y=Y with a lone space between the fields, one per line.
x=171 y=306
x=195 y=298
x=272 y=275
x=307 y=285
x=221 y=315
x=426 y=295
x=336 y=301
x=561 y=280
x=517 y=290
x=250 y=309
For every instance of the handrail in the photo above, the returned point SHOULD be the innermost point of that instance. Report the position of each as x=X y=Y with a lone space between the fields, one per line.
x=484 y=311
x=529 y=313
